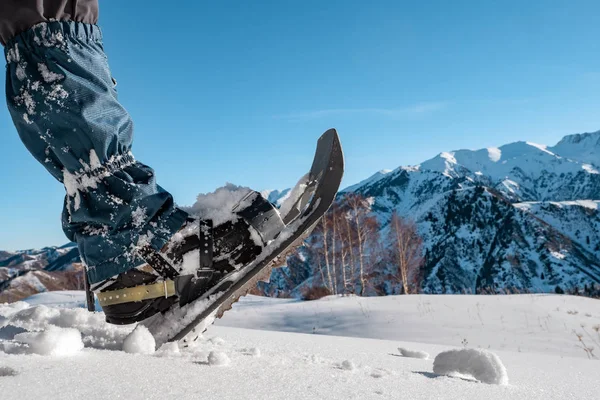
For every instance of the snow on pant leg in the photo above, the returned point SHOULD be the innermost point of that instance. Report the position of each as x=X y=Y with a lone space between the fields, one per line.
x=62 y=99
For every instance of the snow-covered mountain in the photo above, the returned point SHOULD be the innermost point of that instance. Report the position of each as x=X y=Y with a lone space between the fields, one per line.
x=521 y=216
x=23 y=273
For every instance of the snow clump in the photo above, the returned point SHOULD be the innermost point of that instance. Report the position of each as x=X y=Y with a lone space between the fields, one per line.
x=413 y=353
x=482 y=365
x=218 y=205
x=218 y=358
x=140 y=341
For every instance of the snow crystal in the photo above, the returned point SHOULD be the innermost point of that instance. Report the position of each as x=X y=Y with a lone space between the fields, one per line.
x=218 y=358
x=483 y=365
x=413 y=353
x=20 y=73
x=219 y=204
x=140 y=341
x=26 y=99
x=57 y=93
x=48 y=75
x=139 y=216
x=94 y=160
x=53 y=341
x=348 y=365
x=81 y=180
x=13 y=55
x=46 y=38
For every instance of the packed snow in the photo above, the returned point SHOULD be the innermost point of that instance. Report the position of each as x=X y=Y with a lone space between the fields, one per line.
x=477 y=342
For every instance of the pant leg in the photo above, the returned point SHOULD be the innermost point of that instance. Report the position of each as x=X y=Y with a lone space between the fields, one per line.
x=62 y=100
x=17 y=16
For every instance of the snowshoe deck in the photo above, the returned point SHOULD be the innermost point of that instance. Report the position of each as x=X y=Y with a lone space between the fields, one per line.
x=321 y=188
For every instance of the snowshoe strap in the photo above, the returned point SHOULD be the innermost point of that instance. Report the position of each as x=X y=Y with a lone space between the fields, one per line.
x=190 y=287
x=138 y=293
x=157 y=262
x=206 y=246
x=259 y=213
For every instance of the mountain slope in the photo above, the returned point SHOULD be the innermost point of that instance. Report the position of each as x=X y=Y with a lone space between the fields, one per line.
x=27 y=272
x=515 y=217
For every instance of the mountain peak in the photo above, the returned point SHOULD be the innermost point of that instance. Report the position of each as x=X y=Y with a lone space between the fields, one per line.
x=583 y=147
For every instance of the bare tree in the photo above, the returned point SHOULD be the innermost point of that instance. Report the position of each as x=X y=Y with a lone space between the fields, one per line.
x=407 y=251
x=325 y=235
x=366 y=229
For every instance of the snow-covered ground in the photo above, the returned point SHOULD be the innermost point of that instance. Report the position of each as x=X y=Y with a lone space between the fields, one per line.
x=524 y=346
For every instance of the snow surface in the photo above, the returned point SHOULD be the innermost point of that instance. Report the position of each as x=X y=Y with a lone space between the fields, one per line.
x=226 y=362
x=532 y=323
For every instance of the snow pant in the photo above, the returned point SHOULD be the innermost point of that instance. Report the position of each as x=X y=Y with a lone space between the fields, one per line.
x=63 y=102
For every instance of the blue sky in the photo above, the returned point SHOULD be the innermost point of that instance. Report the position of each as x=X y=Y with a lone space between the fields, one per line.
x=239 y=91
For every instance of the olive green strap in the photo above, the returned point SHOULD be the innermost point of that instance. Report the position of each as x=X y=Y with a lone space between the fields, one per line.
x=137 y=293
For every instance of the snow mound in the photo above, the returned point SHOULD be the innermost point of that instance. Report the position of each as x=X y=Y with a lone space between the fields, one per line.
x=218 y=358
x=18 y=317
x=140 y=341
x=8 y=310
x=482 y=365
x=413 y=353
x=51 y=342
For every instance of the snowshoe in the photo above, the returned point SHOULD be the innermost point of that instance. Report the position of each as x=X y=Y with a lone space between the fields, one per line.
x=206 y=269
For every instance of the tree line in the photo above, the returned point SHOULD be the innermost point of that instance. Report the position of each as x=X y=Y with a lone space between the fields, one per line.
x=349 y=253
